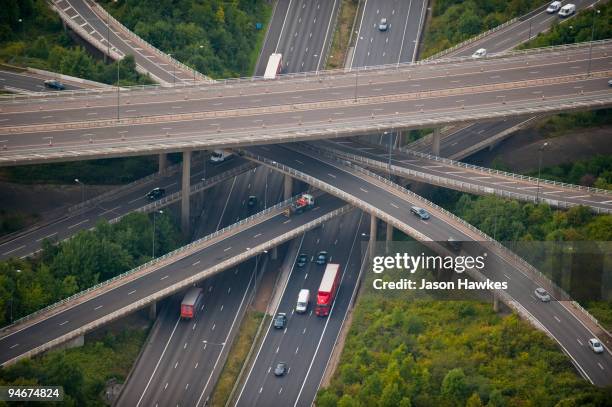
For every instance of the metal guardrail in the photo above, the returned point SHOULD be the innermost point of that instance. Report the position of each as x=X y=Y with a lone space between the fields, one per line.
x=502 y=250
x=188 y=281
x=468 y=186
x=322 y=75
x=99 y=9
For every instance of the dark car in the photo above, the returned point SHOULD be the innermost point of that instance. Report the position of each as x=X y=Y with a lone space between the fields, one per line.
x=322 y=258
x=156 y=193
x=302 y=259
x=280 y=369
x=420 y=212
x=54 y=84
x=252 y=201
x=280 y=320
x=455 y=245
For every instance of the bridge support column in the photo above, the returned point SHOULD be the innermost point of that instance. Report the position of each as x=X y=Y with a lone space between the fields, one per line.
x=274 y=254
x=185 y=190
x=435 y=143
x=163 y=163
x=288 y=187
x=389 y=237
x=373 y=230
x=153 y=311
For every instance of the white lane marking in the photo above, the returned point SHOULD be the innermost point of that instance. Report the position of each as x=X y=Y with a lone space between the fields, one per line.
x=98 y=307
x=228 y=248
x=557 y=318
x=77 y=224
x=331 y=175
x=507 y=276
x=63 y=323
x=196 y=263
x=196 y=365
x=14 y=250
x=580 y=342
x=163 y=278
x=131 y=292
x=394 y=205
x=194 y=326
x=134 y=200
x=257 y=235
x=364 y=190
x=176 y=364
x=14 y=346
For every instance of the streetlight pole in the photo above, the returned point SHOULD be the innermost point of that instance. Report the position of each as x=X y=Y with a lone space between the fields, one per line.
x=118 y=90
x=356 y=82
x=154 y=216
x=386 y=133
x=82 y=190
x=13 y=297
x=266 y=190
x=542 y=147
x=595 y=12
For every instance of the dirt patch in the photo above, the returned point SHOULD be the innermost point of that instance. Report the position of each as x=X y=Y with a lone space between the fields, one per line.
x=519 y=153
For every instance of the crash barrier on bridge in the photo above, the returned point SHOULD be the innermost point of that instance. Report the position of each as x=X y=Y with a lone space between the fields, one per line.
x=102 y=13
x=160 y=262
x=467 y=186
x=321 y=76
x=309 y=106
x=503 y=251
x=69 y=78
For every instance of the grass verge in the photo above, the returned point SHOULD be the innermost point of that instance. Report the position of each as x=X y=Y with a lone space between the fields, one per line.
x=236 y=358
x=342 y=35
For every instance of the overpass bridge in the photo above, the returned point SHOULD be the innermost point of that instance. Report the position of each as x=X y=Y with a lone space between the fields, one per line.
x=305 y=107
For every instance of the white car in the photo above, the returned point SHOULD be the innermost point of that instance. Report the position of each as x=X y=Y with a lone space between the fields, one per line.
x=542 y=294
x=553 y=7
x=567 y=10
x=595 y=345
x=481 y=52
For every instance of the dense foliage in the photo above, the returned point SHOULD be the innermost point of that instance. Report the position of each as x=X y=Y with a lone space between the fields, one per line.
x=450 y=353
x=219 y=38
x=39 y=41
x=578 y=29
x=454 y=21
x=594 y=172
x=86 y=259
x=82 y=372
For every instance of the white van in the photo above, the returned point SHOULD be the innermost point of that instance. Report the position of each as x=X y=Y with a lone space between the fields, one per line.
x=553 y=7
x=302 y=302
x=567 y=10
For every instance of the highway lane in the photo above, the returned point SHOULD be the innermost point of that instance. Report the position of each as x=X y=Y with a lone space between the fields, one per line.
x=158 y=65
x=28 y=82
x=216 y=251
x=369 y=194
x=113 y=207
x=308 y=340
x=396 y=45
x=459 y=77
x=459 y=175
x=529 y=26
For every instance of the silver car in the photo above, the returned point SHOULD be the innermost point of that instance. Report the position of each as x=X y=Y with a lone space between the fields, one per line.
x=383 y=26
x=542 y=294
x=595 y=345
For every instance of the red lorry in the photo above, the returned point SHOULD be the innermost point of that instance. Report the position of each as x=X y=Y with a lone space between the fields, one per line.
x=191 y=302
x=328 y=289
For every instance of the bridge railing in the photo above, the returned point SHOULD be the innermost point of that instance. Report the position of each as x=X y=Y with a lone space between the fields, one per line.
x=472 y=187
x=317 y=76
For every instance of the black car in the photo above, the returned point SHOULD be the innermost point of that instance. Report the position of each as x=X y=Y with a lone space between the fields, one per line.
x=322 y=258
x=156 y=193
x=302 y=259
x=280 y=320
x=455 y=245
x=54 y=84
x=252 y=202
x=280 y=369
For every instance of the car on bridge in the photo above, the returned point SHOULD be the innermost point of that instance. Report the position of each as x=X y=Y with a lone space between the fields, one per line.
x=281 y=369
x=567 y=10
x=54 y=84
x=420 y=212
x=480 y=53
x=280 y=320
x=302 y=259
x=595 y=345
x=553 y=7
x=322 y=258
x=252 y=201
x=542 y=294
x=156 y=193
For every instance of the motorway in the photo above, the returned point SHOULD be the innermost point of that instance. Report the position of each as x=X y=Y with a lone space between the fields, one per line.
x=392 y=205
x=162 y=378
x=215 y=253
x=301 y=31
x=519 y=88
x=94 y=26
x=307 y=342
x=399 y=43
x=457 y=145
x=460 y=177
x=28 y=82
x=113 y=207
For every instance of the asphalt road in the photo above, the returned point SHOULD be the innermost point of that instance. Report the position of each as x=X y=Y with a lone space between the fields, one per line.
x=301 y=31
x=396 y=45
x=474 y=177
x=115 y=206
x=28 y=82
x=71 y=319
x=503 y=40
x=367 y=194
x=308 y=340
x=158 y=65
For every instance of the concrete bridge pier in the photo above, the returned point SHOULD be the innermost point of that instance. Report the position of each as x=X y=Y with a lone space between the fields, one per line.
x=185 y=186
x=153 y=311
x=389 y=237
x=163 y=163
x=288 y=187
x=435 y=143
x=373 y=231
